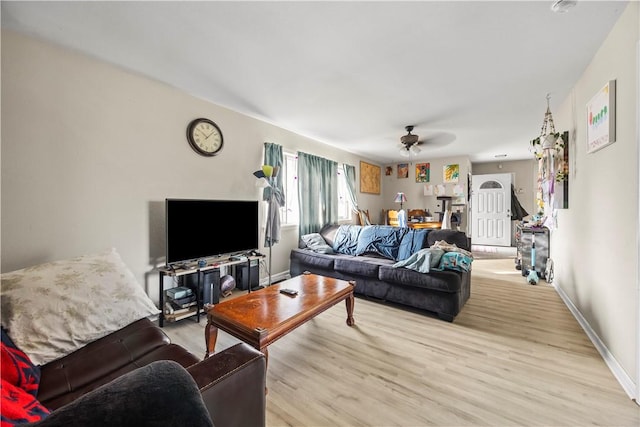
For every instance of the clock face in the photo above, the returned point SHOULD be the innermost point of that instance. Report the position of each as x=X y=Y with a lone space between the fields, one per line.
x=205 y=137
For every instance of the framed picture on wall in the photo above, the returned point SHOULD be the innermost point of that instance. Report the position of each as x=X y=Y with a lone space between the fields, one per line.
x=422 y=172
x=450 y=173
x=601 y=118
x=403 y=170
x=369 y=178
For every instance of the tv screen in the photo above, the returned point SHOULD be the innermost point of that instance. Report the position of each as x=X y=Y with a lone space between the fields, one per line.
x=197 y=229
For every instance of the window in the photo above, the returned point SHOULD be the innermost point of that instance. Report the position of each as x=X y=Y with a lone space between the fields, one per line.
x=289 y=212
x=344 y=202
x=490 y=184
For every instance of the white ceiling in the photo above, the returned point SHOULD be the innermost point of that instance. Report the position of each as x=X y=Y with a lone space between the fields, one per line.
x=471 y=76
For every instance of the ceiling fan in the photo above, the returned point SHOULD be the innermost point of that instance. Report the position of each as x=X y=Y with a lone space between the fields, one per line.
x=409 y=143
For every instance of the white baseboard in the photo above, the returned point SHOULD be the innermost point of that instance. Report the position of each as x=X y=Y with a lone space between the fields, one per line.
x=618 y=372
x=275 y=278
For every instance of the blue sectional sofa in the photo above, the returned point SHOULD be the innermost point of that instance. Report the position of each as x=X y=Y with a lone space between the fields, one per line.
x=367 y=254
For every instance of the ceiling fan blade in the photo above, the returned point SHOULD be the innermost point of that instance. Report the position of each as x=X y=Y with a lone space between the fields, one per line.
x=439 y=139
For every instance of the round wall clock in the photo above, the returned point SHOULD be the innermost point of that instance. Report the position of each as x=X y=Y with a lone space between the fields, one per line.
x=205 y=137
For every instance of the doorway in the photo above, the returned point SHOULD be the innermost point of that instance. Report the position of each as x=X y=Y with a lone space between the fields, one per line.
x=491 y=209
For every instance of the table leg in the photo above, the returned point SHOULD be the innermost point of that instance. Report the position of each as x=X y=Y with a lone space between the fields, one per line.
x=350 y=301
x=210 y=338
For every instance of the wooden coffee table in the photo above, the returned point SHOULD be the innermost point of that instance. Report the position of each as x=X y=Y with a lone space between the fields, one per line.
x=261 y=317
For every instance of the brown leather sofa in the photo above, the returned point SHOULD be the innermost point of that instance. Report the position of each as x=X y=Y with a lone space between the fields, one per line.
x=232 y=381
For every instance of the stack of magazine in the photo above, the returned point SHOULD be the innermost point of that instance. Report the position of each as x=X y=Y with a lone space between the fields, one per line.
x=179 y=301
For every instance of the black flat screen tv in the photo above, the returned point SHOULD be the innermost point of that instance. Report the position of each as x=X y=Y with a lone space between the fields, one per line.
x=198 y=228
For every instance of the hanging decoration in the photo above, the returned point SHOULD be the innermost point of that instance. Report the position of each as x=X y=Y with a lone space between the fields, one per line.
x=548 y=149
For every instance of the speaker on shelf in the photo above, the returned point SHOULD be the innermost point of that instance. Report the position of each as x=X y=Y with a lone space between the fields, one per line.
x=209 y=288
x=211 y=281
x=243 y=275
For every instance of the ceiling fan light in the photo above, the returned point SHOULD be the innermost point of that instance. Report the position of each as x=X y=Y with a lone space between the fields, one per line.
x=415 y=149
x=404 y=152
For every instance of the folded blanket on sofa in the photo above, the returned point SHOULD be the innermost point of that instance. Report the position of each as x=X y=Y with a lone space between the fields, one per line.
x=383 y=240
x=422 y=260
x=346 y=240
x=396 y=243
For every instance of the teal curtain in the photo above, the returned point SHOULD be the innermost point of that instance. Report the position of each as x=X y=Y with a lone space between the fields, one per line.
x=274 y=193
x=317 y=192
x=350 y=178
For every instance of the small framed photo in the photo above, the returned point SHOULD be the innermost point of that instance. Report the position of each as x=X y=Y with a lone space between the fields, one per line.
x=403 y=170
x=422 y=172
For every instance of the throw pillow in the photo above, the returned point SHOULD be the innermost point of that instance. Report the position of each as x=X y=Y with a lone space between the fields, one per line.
x=316 y=243
x=56 y=308
x=456 y=261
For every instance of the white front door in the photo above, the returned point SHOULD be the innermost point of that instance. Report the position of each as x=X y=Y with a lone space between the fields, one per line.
x=491 y=209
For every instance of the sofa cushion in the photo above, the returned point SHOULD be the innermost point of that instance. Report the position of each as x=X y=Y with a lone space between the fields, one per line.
x=445 y=281
x=383 y=240
x=412 y=241
x=346 y=240
x=56 y=308
x=136 y=345
x=316 y=243
x=308 y=257
x=366 y=266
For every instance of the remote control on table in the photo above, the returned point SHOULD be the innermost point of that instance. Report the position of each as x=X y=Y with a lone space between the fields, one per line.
x=290 y=292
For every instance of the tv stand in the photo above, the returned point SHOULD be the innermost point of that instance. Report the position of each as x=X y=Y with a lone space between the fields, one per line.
x=184 y=269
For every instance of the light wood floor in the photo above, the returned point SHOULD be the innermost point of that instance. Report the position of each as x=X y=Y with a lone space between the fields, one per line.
x=515 y=356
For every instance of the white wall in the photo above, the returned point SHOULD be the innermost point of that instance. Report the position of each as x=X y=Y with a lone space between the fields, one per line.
x=90 y=152
x=595 y=247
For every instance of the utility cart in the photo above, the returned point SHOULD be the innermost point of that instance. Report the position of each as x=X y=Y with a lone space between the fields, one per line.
x=524 y=237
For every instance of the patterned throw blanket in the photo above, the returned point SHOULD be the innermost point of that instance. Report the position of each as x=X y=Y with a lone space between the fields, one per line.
x=440 y=256
x=19 y=386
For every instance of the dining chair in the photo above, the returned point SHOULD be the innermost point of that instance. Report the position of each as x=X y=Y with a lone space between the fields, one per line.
x=392 y=218
x=363 y=217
